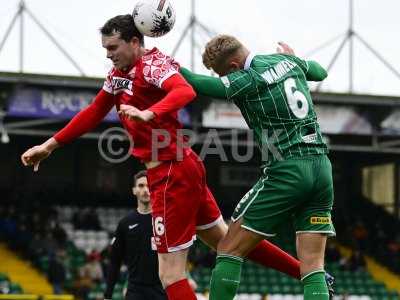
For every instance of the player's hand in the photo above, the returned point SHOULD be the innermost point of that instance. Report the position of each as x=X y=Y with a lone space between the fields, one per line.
x=133 y=113
x=34 y=155
x=284 y=49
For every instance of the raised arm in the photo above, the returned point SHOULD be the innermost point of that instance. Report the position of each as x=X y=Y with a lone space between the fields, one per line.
x=179 y=93
x=82 y=123
x=313 y=70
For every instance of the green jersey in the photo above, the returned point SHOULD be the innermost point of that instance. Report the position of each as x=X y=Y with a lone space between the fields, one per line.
x=273 y=95
x=274 y=98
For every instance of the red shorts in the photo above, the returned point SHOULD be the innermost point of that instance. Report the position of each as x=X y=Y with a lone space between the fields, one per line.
x=181 y=202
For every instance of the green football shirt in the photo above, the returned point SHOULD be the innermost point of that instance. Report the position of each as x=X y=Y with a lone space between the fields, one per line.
x=273 y=95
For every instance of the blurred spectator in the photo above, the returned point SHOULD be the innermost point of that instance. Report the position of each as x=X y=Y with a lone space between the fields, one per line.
x=356 y=262
x=77 y=219
x=360 y=234
x=35 y=247
x=92 y=221
x=332 y=254
x=86 y=219
x=83 y=284
x=394 y=245
x=56 y=272
x=49 y=244
x=60 y=236
x=22 y=238
x=93 y=267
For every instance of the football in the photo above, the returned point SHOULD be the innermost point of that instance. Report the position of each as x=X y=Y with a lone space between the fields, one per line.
x=154 y=18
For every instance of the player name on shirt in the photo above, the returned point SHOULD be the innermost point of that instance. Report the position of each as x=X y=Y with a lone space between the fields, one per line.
x=275 y=73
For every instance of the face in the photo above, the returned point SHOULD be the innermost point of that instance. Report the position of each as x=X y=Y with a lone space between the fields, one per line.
x=123 y=54
x=141 y=190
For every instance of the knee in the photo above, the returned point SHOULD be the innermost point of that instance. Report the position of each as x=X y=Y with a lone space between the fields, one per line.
x=226 y=246
x=310 y=263
x=170 y=276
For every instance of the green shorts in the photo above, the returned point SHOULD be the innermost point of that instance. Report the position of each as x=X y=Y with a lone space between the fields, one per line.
x=298 y=190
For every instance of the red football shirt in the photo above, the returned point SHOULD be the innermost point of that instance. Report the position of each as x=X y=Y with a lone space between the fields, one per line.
x=140 y=87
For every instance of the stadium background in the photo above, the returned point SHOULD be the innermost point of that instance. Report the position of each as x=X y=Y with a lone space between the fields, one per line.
x=51 y=222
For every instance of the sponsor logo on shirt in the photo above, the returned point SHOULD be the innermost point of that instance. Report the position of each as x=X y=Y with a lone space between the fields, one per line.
x=132 y=226
x=311 y=138
x=120 y=84
x=320 y=220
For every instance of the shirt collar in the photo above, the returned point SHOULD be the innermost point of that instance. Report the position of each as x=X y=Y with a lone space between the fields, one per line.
x=248 y=61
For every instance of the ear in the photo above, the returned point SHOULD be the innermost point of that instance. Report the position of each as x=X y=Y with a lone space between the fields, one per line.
x=234 y=65
x=135 y=41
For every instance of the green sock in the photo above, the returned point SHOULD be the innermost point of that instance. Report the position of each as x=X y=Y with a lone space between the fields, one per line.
x=225 y=277
x=315 y=287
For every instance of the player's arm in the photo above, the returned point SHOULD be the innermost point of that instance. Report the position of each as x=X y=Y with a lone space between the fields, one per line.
x=116 y=257
x=83 y=122
x=313 y=70
x=179 y=94
x=205 y=85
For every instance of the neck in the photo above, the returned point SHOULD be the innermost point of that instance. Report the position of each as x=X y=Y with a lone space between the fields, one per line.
x=139 y=54
x=144 y=209
x=245 y=54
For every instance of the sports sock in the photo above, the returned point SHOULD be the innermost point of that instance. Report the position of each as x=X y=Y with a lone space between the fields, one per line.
x=180 y=290
x=315 y=287
x=271 y=256
x=225 y=277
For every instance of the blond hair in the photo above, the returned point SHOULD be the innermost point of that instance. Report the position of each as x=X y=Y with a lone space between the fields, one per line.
x=219 y=49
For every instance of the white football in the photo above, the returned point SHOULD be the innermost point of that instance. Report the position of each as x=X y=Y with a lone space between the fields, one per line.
x=154 y=18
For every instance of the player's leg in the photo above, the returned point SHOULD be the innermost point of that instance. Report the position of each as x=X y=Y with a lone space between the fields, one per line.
x=236 y=244
x=169 y=186
x=310 y=250
x=212 y=229
x=172 y=270
x=267 y=205
x=313 y=224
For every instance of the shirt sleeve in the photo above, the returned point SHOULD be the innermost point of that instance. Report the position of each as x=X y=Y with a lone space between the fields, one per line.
x=238 y=84
x=312 y=69
x=116 y=257
x=158 y=67
x=205 y=85
x=179 y=93
x=87 y=119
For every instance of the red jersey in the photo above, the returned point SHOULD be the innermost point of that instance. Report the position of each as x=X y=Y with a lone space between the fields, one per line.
x=153 y=83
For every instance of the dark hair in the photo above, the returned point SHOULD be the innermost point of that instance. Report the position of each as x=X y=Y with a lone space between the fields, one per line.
x=125 y=25
x=138 y=175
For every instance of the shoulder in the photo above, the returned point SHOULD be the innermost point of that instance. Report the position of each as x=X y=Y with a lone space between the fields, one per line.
x=128 y=218
x=157 y=66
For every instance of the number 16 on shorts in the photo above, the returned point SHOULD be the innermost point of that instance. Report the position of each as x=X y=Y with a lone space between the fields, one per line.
x=158 y=230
